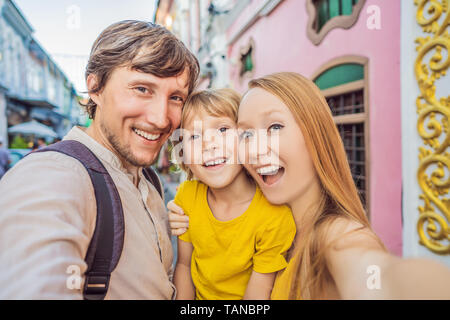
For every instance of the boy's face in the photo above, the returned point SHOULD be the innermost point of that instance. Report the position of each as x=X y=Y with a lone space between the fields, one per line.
x=137 y=112
x=210 y=149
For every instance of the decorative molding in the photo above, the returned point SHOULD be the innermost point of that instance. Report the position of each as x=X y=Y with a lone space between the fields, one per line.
x=264 y=9
x=235 y=12
x=433 y=126
x=344 y=22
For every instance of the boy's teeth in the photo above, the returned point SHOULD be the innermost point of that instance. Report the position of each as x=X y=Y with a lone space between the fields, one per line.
x=269 y=170
x=146 y=135
x=215 y=162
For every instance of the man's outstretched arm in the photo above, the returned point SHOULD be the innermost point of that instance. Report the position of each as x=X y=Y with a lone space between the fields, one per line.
x=47 y=217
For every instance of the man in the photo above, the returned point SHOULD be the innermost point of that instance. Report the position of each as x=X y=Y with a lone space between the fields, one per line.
x=138 y=77
x=4 y=159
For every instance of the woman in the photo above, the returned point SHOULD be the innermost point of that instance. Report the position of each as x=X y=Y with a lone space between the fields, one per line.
x=335 y=255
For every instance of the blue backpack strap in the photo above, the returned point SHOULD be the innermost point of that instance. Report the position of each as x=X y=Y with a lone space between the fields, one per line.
x=106 y=244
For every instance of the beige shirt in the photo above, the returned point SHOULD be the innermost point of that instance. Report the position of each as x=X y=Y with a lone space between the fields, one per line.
x=47 y=218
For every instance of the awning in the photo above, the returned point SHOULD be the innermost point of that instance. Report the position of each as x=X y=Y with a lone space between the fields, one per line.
x=42 y=103
x=33 y=128
x=46 y=114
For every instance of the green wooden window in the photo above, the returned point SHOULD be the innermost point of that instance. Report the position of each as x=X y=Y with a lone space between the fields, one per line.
x=352 y=135
x=349 y=103
x=246 y=62
x=248 y=65
x=339 y=75
x=328 y=9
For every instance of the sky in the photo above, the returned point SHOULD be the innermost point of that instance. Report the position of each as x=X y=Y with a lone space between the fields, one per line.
x=66 y=29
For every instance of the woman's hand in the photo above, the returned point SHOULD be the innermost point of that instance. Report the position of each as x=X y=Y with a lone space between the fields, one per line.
x=178 y=221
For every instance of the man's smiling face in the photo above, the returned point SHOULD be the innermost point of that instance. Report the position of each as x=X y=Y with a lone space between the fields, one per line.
x=137 y=112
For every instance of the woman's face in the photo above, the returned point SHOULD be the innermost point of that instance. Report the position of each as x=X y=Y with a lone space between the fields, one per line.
x=272 y=147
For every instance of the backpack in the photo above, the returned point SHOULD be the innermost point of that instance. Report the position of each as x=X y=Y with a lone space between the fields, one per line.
x=106 y=245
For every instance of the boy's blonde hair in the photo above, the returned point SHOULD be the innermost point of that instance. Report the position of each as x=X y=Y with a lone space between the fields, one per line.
x=216 y=103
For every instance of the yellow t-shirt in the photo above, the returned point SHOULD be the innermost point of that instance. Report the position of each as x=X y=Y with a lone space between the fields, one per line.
x=283 y=283
x=226 y=252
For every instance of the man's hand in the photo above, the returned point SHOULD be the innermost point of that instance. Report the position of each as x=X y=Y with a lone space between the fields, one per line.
x=178 y=221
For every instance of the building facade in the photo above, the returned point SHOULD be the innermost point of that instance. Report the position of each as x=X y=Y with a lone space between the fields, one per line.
x=34 y=87
x=361 y=54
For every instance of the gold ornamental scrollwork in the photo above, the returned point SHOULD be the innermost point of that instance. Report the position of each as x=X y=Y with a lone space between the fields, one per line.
x=432 y=63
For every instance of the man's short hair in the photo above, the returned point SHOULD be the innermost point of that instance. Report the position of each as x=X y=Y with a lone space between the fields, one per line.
x=142 y=46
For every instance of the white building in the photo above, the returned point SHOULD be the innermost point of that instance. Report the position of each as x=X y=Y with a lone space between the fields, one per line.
x=32 y=85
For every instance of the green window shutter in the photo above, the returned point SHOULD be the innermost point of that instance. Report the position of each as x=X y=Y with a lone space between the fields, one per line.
x=339 y=75
x=347 y=7
x=248 y=62
x=323 y=13
x=334 y=8
x=328 y=9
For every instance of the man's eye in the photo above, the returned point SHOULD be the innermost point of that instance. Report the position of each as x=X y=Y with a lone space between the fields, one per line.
x=141 y=89
x=178 y=99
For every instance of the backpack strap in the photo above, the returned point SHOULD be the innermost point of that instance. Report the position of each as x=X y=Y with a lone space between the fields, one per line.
x=106 y=244
x=153 y=178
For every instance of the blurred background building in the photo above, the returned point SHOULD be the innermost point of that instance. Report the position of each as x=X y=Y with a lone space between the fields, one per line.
x=390 y=101
x=36 y=97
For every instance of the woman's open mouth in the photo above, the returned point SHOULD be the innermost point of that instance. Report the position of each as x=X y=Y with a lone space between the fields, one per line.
x=270 y=174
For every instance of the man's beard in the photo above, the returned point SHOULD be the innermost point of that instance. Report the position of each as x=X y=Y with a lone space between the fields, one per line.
x=124 y=151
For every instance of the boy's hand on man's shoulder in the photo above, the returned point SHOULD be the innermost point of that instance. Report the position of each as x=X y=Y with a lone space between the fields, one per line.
x=178 y=221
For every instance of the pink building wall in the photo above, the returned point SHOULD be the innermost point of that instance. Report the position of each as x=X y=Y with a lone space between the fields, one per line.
x=281 y=44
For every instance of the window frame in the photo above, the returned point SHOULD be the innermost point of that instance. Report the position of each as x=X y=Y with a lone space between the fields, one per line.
x=362 y=117
x=344 y=21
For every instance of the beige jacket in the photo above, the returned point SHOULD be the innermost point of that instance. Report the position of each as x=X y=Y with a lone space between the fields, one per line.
x=47 y=218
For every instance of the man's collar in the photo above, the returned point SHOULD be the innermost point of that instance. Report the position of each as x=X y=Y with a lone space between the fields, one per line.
x=79 y=134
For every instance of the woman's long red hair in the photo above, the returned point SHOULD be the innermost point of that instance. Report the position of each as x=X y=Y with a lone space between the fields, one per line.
x=339 y=194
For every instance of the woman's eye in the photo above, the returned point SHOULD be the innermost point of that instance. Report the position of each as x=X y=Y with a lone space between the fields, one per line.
x=275 y=126
x=223 y=129
x=195 y=136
